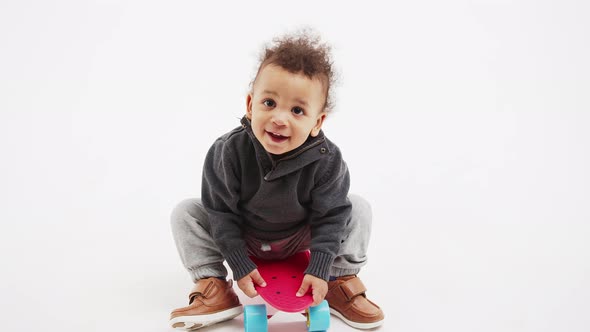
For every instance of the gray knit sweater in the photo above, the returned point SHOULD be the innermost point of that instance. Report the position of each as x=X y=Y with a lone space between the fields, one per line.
x=244 y=189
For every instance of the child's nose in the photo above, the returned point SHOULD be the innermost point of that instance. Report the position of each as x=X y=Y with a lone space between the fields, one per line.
x=280 y=117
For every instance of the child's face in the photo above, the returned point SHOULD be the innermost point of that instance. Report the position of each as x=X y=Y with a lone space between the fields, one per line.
x=285 y=108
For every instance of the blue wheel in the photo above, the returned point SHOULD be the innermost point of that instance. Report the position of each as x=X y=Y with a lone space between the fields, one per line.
x=318 y=317
x=255 y=318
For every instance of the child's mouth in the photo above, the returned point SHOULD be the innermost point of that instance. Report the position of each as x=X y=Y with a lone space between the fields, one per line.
x=277 y=138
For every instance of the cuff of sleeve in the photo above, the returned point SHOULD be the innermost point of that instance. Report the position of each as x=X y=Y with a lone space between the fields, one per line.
x=320 y=264
x=240 y=263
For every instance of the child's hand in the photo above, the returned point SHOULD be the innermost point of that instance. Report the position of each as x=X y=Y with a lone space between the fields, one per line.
x=319 y=288
x=246 y=284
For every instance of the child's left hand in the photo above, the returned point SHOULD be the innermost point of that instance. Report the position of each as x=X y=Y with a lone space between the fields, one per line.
x=319 y=288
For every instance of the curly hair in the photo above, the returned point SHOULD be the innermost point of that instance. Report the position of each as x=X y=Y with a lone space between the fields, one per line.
x=304 y=53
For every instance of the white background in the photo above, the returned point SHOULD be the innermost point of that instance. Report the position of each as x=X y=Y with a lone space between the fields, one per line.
x=464 y=123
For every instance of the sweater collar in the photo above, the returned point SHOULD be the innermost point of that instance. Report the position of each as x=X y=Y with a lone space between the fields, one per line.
x=312 y=149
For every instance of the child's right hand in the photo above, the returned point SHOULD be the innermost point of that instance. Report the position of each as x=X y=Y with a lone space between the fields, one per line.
x=246 y=284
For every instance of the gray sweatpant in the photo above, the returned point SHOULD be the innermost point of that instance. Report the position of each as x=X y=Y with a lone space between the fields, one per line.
x=202 y=258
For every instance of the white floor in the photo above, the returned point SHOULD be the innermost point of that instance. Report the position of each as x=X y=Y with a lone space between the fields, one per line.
x=429 y=274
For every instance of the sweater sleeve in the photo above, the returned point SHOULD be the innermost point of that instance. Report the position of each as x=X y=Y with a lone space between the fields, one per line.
x=220 y=197
x=331 y=211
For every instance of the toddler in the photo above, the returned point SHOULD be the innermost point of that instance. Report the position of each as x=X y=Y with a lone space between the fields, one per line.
x=272 y=187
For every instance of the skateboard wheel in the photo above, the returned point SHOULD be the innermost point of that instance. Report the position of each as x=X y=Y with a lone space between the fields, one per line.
x=318 y=317
x=255 y=318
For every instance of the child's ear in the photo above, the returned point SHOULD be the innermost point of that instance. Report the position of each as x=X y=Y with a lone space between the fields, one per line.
x=318 y=125
x=249 y=106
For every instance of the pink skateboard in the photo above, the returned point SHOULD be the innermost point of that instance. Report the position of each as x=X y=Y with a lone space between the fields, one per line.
x=283 y=279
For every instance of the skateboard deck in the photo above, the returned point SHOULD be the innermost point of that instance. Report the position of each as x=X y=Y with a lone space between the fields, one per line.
x=283 y=279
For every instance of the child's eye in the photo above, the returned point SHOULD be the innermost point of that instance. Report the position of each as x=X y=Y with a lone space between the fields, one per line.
x=297 y=111
x=269 y=103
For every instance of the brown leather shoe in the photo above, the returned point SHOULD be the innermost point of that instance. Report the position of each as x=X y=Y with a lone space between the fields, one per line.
x=212 y=300
x=347 y=300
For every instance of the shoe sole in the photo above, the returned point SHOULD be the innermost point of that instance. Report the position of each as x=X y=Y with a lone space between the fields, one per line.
x=199 y=321
x=362 y=326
